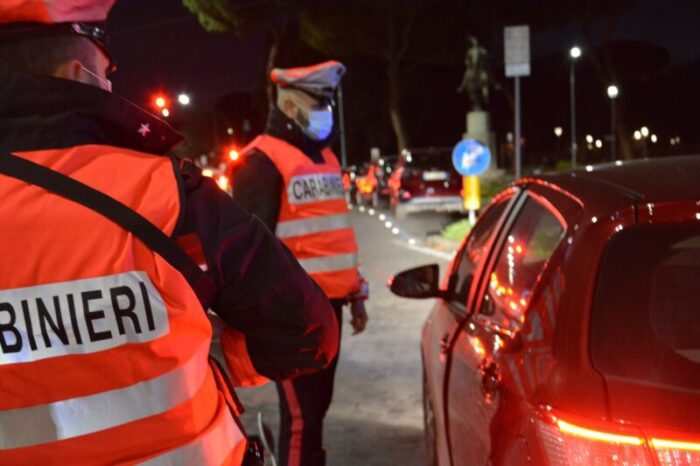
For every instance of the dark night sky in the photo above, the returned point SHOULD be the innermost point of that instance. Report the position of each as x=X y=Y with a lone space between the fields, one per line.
x=159 y=46
x=159 y=43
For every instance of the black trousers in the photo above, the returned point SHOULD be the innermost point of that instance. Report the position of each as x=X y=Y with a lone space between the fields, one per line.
x=304 y=402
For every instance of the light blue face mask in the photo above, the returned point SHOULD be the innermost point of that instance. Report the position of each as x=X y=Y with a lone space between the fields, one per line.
x=320 y=124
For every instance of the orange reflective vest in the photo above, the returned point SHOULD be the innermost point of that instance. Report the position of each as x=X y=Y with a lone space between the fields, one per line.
x=104 y=345
x=314 y=221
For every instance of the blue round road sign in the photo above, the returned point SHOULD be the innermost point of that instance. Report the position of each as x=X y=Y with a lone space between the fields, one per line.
x=471 y=157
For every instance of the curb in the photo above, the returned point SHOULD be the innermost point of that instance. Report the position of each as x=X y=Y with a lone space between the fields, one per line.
x=441 y=244
x=443 y=247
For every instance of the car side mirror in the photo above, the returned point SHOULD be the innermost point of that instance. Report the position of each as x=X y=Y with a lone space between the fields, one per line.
x=420 y=282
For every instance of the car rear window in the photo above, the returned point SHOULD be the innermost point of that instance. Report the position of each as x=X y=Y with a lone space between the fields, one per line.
x=646 y=313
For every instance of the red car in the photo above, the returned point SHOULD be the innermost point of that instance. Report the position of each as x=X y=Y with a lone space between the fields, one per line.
x=567 y=329
x=425 y=180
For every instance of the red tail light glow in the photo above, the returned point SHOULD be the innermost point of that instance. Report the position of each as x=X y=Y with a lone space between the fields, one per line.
x=582 y=432
x=566 y=443
x=571 y=442
x=690 y=446
x=676 y=453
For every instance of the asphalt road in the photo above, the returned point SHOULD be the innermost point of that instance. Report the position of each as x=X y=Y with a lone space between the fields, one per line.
x=376 y=415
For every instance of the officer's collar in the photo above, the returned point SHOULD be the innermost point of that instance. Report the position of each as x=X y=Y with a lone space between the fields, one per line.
x=45 y=112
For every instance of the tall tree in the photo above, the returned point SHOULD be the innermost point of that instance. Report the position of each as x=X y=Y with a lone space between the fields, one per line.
x=384 y=31
x=602 y=57
x=241 y=17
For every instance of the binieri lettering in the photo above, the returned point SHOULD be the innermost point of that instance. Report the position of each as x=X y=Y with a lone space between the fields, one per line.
x=79 y=317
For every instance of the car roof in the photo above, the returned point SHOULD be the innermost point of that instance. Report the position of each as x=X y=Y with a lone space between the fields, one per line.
x=608 y=187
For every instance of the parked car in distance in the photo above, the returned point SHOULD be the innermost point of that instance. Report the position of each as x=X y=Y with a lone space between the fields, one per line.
x=567 y=328
x=425 y=180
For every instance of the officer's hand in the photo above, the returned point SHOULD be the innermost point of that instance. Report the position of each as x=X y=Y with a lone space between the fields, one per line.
x=359 y=316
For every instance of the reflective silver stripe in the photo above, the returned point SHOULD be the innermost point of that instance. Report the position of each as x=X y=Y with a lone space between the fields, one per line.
x=212 y=448
x=311 y=225
x=329 y=263
x=23 y=427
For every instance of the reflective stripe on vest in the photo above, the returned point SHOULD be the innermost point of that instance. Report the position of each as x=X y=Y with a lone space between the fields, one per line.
x=212 y=448
x=314 y=221
x=329 y=263
x=65 y=419
x=101 y=340
x=311 y=225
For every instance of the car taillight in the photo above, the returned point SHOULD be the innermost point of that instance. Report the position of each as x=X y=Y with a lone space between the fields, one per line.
x=573 y=443
x=676 y=453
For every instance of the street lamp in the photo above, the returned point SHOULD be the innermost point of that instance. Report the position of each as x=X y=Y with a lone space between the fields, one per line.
x=184 y=99
x=641 y=135
x=613 y=92
x=558 y=131
x=574 y=53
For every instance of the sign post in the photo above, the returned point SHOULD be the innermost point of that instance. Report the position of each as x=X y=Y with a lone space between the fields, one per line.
x=341 y=128
x=471 y=158
x=517 y=60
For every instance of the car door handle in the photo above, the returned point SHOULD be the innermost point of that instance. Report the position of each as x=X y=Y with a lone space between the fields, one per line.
x=444 y=344
x=490 y=380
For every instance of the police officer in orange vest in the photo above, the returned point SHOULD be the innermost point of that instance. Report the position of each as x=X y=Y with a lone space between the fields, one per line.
x=292 y=181
x=104 y=339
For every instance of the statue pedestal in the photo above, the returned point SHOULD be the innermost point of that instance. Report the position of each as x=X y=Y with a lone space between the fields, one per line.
x=478 y=128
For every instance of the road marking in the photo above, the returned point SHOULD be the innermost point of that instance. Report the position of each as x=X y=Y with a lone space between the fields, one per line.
x=408 y=241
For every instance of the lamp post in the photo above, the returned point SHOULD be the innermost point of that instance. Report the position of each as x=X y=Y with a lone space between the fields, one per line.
x=341 y=127
x=574 y=54
x=641 y=135
x=613 y=92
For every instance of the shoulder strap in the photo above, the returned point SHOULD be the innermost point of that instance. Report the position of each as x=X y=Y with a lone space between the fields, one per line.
x=117 y=212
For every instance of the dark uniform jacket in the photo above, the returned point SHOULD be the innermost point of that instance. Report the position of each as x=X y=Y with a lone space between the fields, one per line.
x=263 y=292
x=257 y=184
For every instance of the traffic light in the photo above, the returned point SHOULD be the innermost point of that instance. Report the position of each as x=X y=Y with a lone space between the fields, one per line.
x=159 y=101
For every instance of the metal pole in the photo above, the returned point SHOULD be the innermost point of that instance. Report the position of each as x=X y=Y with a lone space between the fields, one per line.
x=341 y=124
x=613 y=137
x=518 y=155
x=572 y=83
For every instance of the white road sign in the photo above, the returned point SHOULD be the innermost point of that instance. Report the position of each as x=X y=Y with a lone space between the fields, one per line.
x=516 y=40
